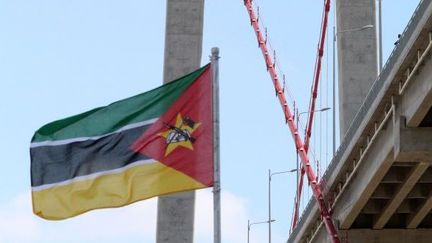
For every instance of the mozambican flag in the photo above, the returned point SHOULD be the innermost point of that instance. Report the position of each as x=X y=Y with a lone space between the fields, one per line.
x=155 y=143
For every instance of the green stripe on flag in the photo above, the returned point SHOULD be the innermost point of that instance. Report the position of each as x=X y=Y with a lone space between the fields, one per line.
x=110 y=118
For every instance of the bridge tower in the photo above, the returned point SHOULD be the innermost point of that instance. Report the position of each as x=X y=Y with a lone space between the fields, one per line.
x=357 y=56
x=183 y=47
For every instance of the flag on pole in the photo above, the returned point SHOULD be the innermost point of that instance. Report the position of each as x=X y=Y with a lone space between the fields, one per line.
x=152 y=144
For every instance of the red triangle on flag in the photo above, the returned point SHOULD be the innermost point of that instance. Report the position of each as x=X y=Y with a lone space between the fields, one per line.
x=182 y=138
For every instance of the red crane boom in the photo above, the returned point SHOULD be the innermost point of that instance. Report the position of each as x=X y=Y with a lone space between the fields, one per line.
x=317 y=74
x=331 y=229
x=311 y=111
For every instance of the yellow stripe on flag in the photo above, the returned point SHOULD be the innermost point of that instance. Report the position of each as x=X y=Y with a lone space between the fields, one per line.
x=113 y=190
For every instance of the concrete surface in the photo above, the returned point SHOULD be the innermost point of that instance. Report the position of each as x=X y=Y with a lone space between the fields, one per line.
x=357 y=56
x=183 y=47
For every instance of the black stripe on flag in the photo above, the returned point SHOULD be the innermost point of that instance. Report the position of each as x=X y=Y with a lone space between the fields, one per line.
x=54 y=164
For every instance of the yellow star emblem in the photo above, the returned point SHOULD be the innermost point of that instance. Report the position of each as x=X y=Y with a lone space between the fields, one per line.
x=180 y=134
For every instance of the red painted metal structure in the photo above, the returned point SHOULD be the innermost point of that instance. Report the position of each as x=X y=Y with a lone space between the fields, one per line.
x=289 y=118
x=317 y=73
x=297 y=199
x=311 y=111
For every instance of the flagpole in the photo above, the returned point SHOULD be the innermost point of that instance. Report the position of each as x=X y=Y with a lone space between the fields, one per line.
x=216 y=180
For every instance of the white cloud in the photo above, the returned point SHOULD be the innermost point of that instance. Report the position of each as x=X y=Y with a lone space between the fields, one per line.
x=19 y=224
x=16 y=222
x=133 y=223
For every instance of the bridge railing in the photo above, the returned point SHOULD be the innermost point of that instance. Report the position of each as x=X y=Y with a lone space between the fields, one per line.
x=365 y=107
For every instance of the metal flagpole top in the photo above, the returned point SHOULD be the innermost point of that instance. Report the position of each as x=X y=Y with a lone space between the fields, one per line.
x=215 y=52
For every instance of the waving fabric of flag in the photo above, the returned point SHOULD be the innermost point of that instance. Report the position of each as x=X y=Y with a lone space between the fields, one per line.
x=154 y=143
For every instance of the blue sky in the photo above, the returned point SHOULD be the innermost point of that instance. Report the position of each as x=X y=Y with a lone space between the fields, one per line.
x=59 y=58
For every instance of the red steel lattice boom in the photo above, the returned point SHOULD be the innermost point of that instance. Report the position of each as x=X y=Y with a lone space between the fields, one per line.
x=289 y=118
x=311 y=112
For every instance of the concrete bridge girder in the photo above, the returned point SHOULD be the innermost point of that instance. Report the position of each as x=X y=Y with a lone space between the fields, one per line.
x=375 y=170
x=386 y=236
x=401 y=147
x=395 y=143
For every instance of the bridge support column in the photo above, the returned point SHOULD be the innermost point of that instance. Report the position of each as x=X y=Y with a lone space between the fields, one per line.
x=183 y=47
x=357 y=56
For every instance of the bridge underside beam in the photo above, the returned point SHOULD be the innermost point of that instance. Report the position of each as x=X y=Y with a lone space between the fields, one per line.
x=374 y=167
x=416 y=218
x=420 y=191
x=381 y=236
x=387 y=235
x=415 y=144
x=400 y=195
x=406 y=146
